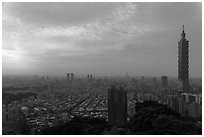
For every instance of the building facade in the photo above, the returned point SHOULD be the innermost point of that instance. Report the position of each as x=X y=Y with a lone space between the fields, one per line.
x=67 y=76
x=164 y=87
x=72 y=76
x=183 y=66
x=186 y=104
x=117 y=106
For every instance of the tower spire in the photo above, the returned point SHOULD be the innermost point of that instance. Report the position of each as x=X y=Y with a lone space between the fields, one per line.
x=183 y=33
x=183 y=28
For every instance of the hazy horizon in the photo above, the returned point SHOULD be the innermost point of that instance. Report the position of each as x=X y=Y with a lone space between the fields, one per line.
x=103 y=39
x=95 y=75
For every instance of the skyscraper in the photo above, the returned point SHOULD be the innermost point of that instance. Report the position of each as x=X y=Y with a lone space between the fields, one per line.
x=164 y=82
x=117 y=106
x=183 y=72
x=72 y=76
x=135 y=87
x=67 y=76
x=89 y=76
x=164 y=86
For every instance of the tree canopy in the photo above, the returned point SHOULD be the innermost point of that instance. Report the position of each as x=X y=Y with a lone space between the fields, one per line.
x=150 y=119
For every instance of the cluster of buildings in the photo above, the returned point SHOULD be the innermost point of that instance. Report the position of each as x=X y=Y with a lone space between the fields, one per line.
x=95 y=106
x=70 y=76
x=42 y=112
x=186 y=104
x=86 y=98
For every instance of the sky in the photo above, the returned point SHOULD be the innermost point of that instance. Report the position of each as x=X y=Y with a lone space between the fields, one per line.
x=139 y=39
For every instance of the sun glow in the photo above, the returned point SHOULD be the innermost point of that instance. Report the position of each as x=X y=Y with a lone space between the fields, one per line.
x=17 y=60
x=8 y=54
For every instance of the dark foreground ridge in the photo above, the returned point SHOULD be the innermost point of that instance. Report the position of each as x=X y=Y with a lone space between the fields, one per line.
x=151 y=118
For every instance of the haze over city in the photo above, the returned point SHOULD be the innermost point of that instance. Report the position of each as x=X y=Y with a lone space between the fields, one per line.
x=99 y=38
x=102 y=68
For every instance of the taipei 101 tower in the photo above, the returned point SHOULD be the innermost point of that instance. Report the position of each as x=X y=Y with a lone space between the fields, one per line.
x=183 y=66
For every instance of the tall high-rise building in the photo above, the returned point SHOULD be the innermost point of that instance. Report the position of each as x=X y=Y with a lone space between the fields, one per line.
x=89 y=76
x=164 y=81
x=67 y=76
x=135 y=87
x=164 y=86
x=72 y=76
x=183 y=71
x=117 y=106
x=142 y=84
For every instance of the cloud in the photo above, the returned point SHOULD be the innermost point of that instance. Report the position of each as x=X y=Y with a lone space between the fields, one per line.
x=115 y=27
x=88 y=33
x=56 y=13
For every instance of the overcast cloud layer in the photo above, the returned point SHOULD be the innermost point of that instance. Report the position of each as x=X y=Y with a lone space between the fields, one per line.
x=99 y=38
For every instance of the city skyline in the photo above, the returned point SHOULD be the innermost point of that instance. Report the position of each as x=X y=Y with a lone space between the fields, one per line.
x=99 y=38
